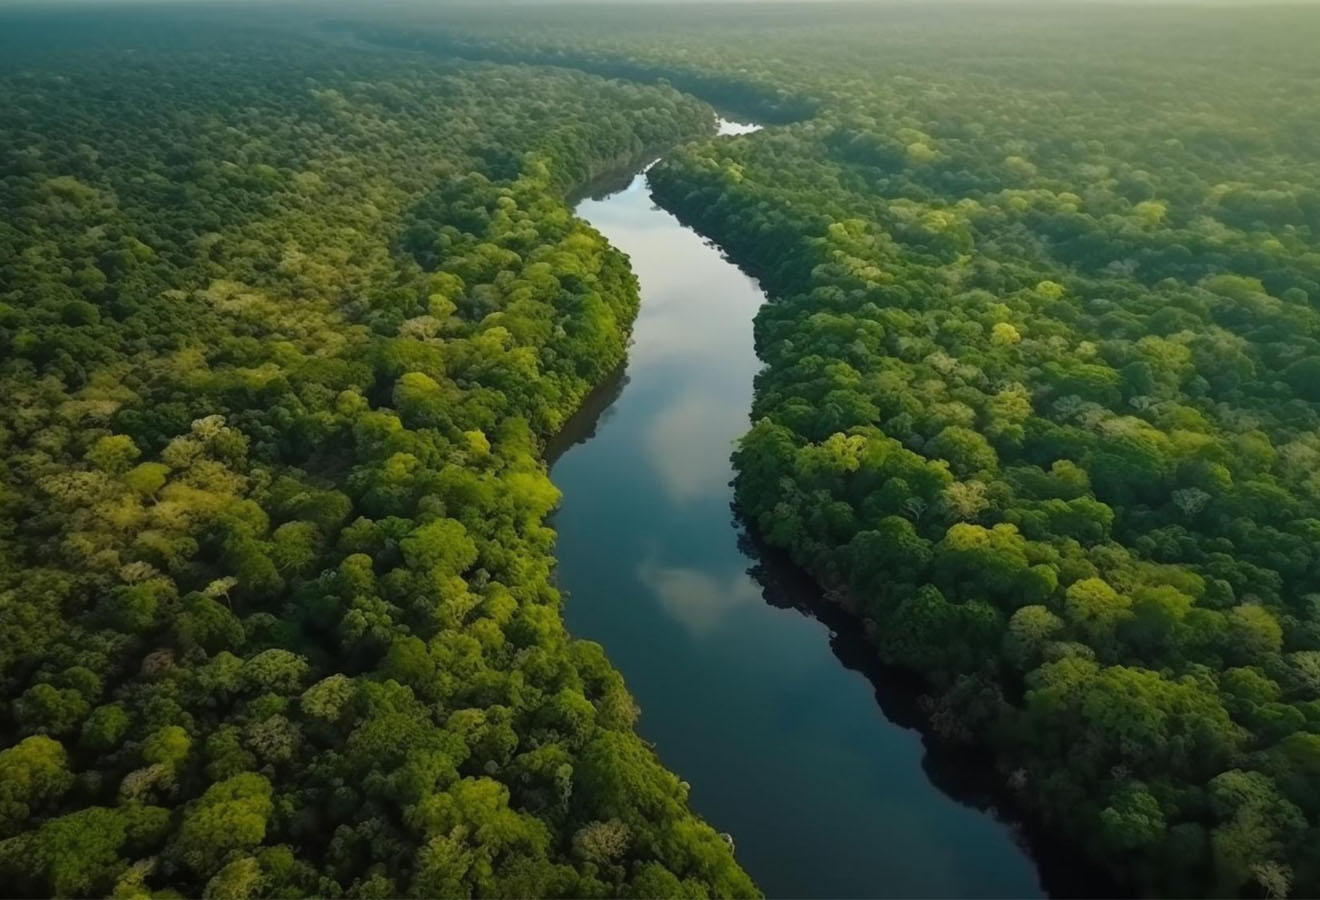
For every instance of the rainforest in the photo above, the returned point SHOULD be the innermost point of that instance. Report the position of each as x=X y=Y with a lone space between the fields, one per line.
x=393 y=397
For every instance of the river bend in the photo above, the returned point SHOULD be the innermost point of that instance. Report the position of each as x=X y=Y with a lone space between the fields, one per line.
x=784 y=746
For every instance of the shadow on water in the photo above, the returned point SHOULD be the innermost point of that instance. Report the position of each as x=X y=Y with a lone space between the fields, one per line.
x=593 y=412
x=964 y=774
x=612 y=181
x=819 y=770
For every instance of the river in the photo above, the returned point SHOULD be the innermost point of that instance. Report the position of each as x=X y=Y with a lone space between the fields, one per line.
x=745 y=694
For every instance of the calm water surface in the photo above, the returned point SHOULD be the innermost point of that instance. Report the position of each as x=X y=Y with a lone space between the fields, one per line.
x=784 y=746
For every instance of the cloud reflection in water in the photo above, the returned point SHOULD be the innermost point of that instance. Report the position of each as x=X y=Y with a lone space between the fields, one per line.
x=698 y=600
x=689 y=444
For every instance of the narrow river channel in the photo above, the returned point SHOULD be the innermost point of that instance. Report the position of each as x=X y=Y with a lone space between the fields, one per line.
x=785 y=747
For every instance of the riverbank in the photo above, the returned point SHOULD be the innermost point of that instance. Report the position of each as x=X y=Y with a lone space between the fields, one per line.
x=783 y=747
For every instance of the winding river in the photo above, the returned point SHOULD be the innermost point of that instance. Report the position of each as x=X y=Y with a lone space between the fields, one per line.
x=767 y=711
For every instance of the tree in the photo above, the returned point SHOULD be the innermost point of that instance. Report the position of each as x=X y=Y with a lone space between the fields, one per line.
x=231 y=815
x=1029 y=630
x=441 y=545
x=167 y=746
x=238 y=880
x=33 y=773
x=1133 y=824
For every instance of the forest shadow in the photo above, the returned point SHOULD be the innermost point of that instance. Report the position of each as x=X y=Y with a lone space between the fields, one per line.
x=593 y=412
x=610 y=182
x=965 y=774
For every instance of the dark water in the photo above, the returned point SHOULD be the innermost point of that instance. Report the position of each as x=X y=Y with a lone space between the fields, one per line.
x=741 y=689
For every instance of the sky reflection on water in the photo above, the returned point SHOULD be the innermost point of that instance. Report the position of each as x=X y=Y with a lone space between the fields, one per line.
x=784 y=746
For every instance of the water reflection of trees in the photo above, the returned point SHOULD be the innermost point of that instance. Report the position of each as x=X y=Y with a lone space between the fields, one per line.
x=965 y=775
x=594 y=412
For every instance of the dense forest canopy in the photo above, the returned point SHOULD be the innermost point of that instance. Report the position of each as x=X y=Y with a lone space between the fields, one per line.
x=283 y=330
x=290 y=304
x=1042 y=394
